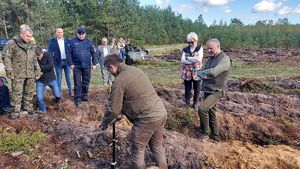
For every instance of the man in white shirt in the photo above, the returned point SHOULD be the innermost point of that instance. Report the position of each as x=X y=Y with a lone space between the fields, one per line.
x=58 y=47
x=104 y=50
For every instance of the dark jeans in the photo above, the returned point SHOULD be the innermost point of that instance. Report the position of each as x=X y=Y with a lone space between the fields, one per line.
x=128 y=60
x=188 y=84
x=82 y=77
x=4 y=97
x=151 y=134
x=207 y=113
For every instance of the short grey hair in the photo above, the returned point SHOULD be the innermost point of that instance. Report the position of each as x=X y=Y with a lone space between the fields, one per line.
x=26 y=29
x=214 y=40
x=192 y=35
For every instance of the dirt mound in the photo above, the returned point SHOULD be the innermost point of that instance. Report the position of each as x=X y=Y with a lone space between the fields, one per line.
x=253 y=128
x=259 y=118
x=264 y=55
x=247 y=55
x=278 y=86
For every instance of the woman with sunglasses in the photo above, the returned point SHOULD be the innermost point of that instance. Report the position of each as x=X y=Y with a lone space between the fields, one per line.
x=192 y=61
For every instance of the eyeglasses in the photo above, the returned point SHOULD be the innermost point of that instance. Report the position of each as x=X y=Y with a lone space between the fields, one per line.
x=190 y=43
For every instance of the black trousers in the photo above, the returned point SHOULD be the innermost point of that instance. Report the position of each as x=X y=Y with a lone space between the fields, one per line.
x=188 y=85
x=82 y=77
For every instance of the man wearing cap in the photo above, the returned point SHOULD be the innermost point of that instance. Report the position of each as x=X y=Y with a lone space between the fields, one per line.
x=58 y=47
x=22 y=69
x=82 y=54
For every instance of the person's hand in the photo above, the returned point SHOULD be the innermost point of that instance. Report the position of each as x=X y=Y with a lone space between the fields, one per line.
x=206 y=72
x=94 y=67
x=201 y=75
x=10 y=76
x=72 y=67
x=102 y=127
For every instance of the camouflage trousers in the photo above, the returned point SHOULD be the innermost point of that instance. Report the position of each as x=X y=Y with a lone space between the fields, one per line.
x=22 y=93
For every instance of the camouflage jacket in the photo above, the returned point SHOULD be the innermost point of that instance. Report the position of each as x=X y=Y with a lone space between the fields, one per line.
x=19 y=59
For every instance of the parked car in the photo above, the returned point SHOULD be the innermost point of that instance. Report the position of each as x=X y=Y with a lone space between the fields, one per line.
x=3 y=42
x=137 y=53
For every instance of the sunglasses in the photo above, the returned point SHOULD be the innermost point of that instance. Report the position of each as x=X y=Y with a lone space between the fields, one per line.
x=191 y=42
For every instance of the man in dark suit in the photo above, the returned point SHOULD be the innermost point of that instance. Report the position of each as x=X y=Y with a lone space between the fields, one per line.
x=58 y=47
x=103 y=50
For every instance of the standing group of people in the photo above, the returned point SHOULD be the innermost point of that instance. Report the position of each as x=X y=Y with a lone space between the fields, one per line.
x=132 y=93
x=213 y=77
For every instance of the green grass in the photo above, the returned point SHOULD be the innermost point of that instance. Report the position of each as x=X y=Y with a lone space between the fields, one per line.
x=264 y=70
x=168 y=73
x=180 y=121
x=162 y=73
x=156 y=50
x=23 y=141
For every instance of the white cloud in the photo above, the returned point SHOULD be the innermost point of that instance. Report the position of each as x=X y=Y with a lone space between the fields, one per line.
x=184 y=8
x=285 y=11
x=227 y=10
x=266 y=6
x=161 y=3
x=297 y=9
x=289 y=11
x=205 y=10
x=213 y=2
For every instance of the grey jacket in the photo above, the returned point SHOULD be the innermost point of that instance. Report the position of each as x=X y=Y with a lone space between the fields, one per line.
x=101 y=53
x=218 y=67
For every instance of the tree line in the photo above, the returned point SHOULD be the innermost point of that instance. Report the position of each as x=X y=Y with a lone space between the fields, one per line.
x=142 y=24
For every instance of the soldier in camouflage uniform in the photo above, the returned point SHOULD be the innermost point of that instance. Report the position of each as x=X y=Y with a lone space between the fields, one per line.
x=22 y=68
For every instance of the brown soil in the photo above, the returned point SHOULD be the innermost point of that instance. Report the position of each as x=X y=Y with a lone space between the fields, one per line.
x=247 y=55
x=259 y=128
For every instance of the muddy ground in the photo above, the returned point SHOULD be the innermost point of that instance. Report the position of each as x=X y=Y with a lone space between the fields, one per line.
x=259 y=129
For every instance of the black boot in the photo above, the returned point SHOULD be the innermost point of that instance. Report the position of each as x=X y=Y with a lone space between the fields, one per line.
x=58 y=104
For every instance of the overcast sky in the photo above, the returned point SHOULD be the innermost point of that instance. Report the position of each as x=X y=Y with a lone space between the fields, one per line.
x=248 y=11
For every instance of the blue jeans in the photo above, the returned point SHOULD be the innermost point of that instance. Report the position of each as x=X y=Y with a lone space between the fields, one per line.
x=67 y=68
x=40 y=93
x=122 y=55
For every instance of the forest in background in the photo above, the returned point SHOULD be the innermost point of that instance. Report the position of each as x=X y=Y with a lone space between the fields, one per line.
x=144 y=25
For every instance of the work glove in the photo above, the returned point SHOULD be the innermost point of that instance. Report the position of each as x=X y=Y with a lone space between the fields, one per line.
x=10 y=75
x=204 y=74
x=201 y=75
x=207 y=72
x=103 y=127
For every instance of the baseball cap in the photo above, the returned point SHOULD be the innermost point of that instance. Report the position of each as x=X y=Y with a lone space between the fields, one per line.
x=81 y=30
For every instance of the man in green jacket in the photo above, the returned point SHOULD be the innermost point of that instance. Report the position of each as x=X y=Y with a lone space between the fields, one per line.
x=22 y=69
x=215 y=76
x=133 y=95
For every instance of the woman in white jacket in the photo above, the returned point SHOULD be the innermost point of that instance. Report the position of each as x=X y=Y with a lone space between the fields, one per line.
x=191 y=60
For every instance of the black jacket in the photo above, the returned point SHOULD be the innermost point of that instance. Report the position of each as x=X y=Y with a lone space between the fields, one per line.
x=47 y=67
